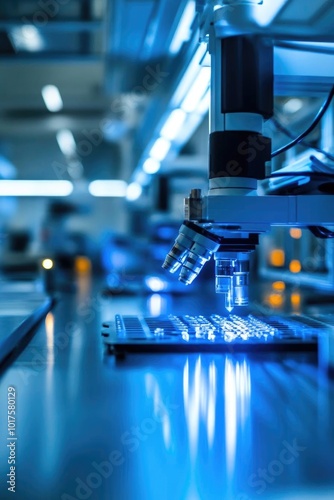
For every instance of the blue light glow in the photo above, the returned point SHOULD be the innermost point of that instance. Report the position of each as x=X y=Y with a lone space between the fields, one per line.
x=155 y=283
x=133 y=191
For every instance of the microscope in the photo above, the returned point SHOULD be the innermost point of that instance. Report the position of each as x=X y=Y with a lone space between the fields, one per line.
x=228 y=221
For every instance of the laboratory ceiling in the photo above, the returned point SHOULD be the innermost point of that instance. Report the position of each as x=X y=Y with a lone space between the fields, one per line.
x=112 y=63
x=94 y=51
x=106 y=57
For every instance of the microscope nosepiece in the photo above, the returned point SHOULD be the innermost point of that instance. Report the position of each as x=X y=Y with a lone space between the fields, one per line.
x=179 y=250
x=191 y=250
x=192 y=266
x=171 y=263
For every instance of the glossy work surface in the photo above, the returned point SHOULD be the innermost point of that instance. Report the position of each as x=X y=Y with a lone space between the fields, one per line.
x=162 y=426
x=18 y=317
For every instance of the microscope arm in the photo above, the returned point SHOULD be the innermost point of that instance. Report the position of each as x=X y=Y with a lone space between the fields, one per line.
x=256 y=214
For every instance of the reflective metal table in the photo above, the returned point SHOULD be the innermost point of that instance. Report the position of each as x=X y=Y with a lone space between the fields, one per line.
x=161 y=426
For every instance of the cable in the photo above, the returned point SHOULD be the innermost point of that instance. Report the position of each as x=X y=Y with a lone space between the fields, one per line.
x=322 y=167
x=315 y=122
x=321 y=232
x=287 y=132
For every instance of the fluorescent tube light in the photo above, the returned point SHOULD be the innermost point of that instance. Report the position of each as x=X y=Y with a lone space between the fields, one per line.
x=133 y=191
x=108 y=188
x=151 y=166
x=160 y=149
x=26 y=37
x=183 y=30
x=293 y=105
x=35 y=188
x=204 y=105
x=189 y=75
x=66 y=142
x=141 y=177
x=52 y=98
x=197 y=90
x=173 y=124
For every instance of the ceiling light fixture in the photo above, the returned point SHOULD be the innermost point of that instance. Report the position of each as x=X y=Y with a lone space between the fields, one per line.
x=35 y=188
x=160 y=149
x=26 y=37
x=292 y=105
x=52 y=98
x=108 y=188
x=189 y=76
x=173 y=124
x=133 y=191
x=183 y=30
x=197 y=90
x=151 y=166
x=66 y=142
